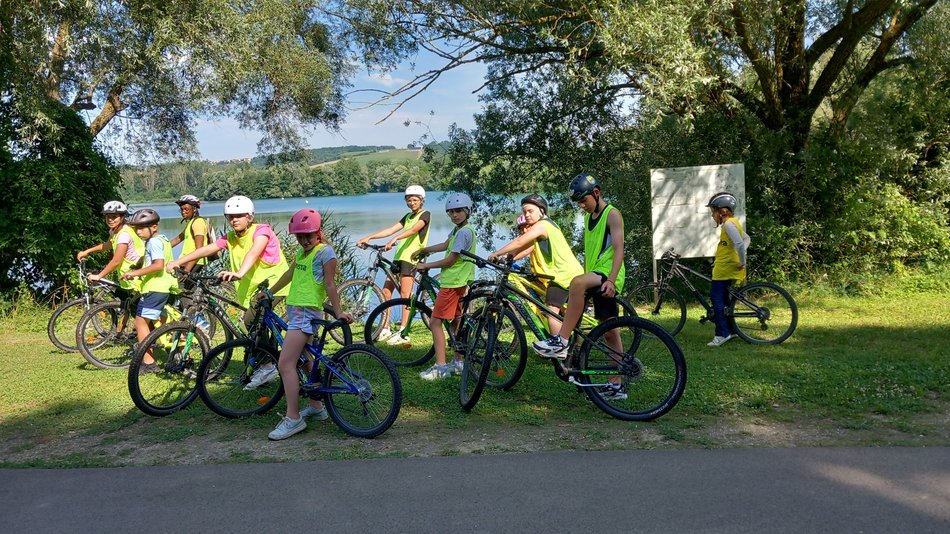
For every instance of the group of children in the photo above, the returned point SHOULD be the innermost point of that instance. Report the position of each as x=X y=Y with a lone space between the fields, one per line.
x=143 y=262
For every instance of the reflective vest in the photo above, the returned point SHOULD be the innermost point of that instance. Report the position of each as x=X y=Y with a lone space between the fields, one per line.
x=161 y=281
x=414 y=242
x=304 y=289
x=239 y=246
x=188 y=244
x=462 y=272
x=726 y=266
x=127 y=265
x=554 y=257
x=598 y=249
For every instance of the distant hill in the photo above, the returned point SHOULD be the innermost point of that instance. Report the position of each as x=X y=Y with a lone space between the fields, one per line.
x=327 y=154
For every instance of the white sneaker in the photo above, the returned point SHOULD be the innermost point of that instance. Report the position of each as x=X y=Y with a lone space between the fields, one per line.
x=436 y=372
x=262 y=376
x=318 y=414
x=287 y=427
x=398 y=339
x=384 y=334
x=552 y=347
x=719 y=340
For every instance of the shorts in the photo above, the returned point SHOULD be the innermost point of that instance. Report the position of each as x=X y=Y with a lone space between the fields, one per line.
x=151 y=304
x=604 y=307
x=302 y=318
x=402 y=268
x=448 y=303
x=556 y=296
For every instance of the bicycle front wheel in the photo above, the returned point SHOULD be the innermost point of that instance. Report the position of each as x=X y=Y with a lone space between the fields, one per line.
x=363 y=393
x=178 y=349
x=224 y=379
x=411 y=340
x=632 y=369
x=62 y=324
x=106 y=335
x=478 y=338
x=359 y=297
x=510 y=354
x=763 y=313
x=660 y=305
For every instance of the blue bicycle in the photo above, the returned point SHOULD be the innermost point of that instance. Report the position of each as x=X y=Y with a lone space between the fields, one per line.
x=358 y=384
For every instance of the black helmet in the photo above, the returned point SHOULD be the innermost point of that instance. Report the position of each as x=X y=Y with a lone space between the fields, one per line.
x=723 y=200
x=582 y=185
x=189 y=199
x=538 y=201
x=144 y=217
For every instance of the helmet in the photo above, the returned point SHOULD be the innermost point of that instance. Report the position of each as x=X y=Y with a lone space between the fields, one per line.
x=115 y=206
x=522 y=221
x=305 y=221
x=416 y=190
x=458 y=200
x=538 y=201
x=189 y=199
x=582 y=185
x=145 y=217
x=723 y=200
x=239 y=205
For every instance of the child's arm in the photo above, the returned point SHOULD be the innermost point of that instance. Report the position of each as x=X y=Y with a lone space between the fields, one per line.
x=101 y=247
x=178 y=239
x=425 y=251
x=521 y=243
x=385 y=232
x=284 y=278
x=153 y=267
x=407 y=232
x=194 y=255
x=329 y=281
x=615 y=222
x=253 y=255
x=738 y=242
x=113 y=264
x=447 y=261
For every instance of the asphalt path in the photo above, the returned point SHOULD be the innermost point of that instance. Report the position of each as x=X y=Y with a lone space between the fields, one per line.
x=733 y=490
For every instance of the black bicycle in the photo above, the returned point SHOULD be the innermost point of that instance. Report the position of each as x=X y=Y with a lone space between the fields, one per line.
x=62 y=324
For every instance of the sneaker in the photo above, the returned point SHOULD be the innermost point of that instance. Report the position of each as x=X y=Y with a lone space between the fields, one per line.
x=148 y=368
x=719 y=340
x=318 y=414
x=287 y=427
x=613 y=392
x=398 y=339
x=456 y=366
x=384 y=334
x=262 y=376
x=551 y=347
x=436 y=372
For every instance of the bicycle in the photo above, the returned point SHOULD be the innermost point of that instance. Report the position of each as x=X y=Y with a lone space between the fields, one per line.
x=65 y=318
x=359 y=385
x=759 y=312
x=650 y=364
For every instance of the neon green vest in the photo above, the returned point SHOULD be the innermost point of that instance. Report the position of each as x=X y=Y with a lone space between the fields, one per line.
x=161 y=282
x=304 y=290
x=460 y=273
x=413 y=243
x=599 y=255
x=127 y=265
x=558 y=260
x=188 y=244
x=238 y=248
x=726 y=266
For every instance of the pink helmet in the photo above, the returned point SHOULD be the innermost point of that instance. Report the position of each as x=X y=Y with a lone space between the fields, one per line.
x=305 y=221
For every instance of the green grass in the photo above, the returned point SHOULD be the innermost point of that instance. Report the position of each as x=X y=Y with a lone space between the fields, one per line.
x=859 y=370
x=389 y=156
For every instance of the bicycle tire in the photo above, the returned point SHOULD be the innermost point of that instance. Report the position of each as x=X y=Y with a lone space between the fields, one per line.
x=63 y=322
x=510 y=353
x=106 y=336
x=479 y=339
x=374 y=407
x=178 y=349
x=774 y=312
x=652 y=369
x=227 y=368
x=661 y=305
x=420 y=335
x=358 y=297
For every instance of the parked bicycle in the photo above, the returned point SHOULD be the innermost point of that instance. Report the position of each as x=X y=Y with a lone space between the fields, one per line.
x=640 y=378
x=62 y=324
x=759 y=312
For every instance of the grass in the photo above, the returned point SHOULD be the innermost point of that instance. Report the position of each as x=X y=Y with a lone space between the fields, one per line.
x=860 y=370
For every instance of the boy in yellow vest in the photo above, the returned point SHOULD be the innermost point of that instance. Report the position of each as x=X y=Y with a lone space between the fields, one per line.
x=157 y=285
x=195 y=234
x=457 y=273
x=730 y=260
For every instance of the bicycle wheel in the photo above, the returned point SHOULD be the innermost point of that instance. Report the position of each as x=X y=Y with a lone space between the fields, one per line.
x=363 y=393
x=763 y=313
x=419 y=349
x=358 y=297
x=478 y=337
x=510 y=354
x=662 y=306
x=106 y=335
x=178 y=349
x=227 y=369
x=651 y=369
x=62 y=324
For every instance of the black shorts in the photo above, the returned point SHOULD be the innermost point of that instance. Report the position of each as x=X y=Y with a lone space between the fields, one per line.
x=402 y=268
x=556 y=296
x=604 y=307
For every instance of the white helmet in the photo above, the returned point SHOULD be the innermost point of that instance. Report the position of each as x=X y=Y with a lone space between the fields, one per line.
x=416 y=190
x=115 y=206
x=458 y=200
x=239 y=205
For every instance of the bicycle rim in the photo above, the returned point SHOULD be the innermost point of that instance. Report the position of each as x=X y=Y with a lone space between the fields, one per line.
x=62 y=324
x=106 y=335
x=418 y=349
x=365 y=392
x=225 y=372
x=764 y=313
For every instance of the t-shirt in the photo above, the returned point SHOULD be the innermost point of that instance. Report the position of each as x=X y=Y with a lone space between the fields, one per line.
x=463 y=240
x=200 y=228
x=154 y=250
x=271 y=252
x=322 y=256
x=425 y=218
x=130 y=253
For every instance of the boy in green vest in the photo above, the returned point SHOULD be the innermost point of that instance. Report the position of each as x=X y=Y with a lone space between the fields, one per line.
x=603 y=276
x=196 y=232
x=157 y=285
x=730 y=260
x=457 y=273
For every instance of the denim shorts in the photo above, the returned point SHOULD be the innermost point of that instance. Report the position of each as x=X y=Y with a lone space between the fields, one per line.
x=151 y=304
x=302 y=317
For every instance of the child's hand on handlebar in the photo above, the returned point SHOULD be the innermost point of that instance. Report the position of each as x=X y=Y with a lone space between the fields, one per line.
x=229 y=276
x=346 y=317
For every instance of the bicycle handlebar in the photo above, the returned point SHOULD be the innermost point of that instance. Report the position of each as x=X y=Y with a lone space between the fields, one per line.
x=482 y=262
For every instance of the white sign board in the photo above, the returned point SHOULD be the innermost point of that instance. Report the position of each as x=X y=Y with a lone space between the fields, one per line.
x=681 y=219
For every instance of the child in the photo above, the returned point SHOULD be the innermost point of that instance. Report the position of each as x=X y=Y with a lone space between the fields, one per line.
x=196 y=232
x=127 y=247
x=311 y=278
x=157 y=285
x=415 y=231
x=457 y=273
x=729 y=264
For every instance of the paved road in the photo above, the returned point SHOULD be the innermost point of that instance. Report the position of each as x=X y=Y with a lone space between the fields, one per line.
x=735 y=490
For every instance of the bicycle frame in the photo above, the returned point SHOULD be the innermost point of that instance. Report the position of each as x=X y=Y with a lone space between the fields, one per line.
x=380 y=262
x=679 y=271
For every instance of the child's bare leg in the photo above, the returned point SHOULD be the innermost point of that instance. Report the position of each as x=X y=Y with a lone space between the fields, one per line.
x=142 y=330
x=438 y=340
x=287 y=366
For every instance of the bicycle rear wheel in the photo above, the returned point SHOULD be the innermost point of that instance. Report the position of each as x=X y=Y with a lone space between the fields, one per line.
x=178 y=349
x=662 y=306
x=650 y=367
x=419 y=349
x=478 y=337
x=106 y=335
x=763 y=313
x=62 y=324
x=363 y=393
x=225 y=372
x=358 y=297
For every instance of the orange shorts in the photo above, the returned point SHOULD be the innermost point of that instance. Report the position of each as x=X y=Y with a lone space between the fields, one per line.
x=448 y=303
